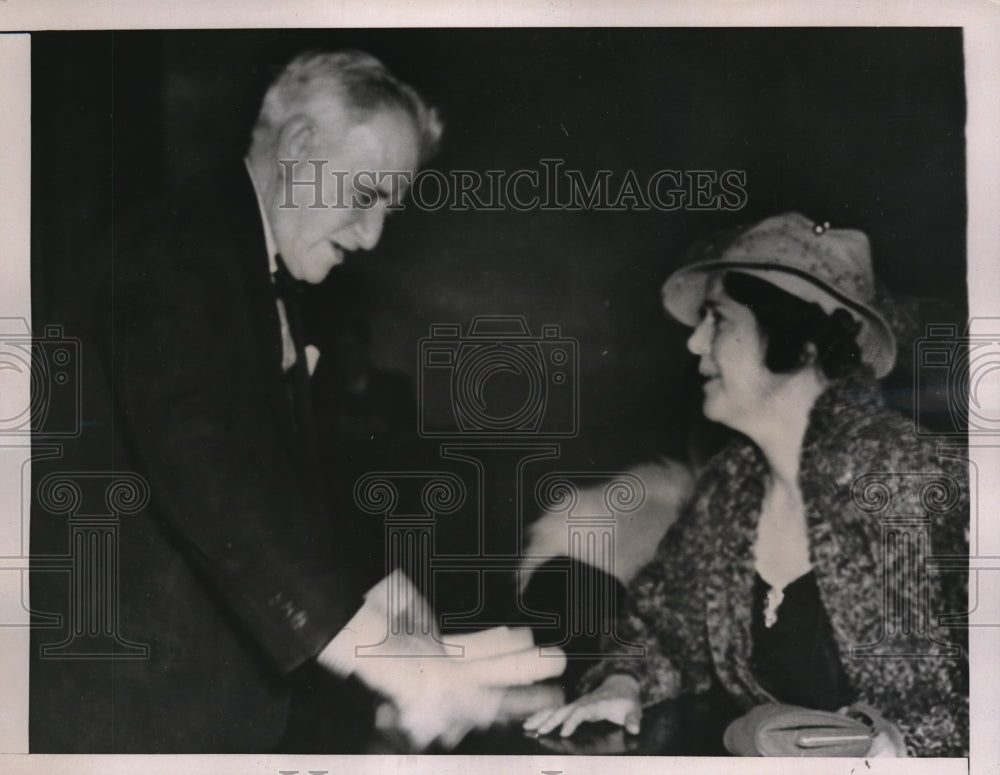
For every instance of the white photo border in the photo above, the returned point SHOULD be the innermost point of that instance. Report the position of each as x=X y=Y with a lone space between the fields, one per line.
x=980 y=22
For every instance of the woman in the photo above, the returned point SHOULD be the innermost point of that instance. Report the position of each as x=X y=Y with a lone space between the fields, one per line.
x=771 y=584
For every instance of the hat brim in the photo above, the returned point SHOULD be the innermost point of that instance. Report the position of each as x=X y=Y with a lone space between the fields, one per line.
x=684 y=291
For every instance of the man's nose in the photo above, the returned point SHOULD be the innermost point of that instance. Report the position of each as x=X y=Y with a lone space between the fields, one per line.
x=369 y=225
x=697 y=343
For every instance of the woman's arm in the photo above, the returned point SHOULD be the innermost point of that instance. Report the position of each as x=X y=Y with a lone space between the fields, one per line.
x=659 y=647
x=664 y=615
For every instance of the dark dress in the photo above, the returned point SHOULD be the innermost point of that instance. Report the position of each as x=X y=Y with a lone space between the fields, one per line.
x=796 y=658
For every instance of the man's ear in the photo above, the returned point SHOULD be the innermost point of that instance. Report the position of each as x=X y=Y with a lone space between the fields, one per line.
x=295 y=137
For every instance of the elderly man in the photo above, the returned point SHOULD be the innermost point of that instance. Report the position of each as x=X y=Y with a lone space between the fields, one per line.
x=231 y=576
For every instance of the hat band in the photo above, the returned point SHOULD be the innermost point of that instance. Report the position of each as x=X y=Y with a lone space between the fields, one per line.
x=856 y=306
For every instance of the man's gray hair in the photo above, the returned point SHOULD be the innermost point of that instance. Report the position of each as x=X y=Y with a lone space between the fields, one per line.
x=360 y=79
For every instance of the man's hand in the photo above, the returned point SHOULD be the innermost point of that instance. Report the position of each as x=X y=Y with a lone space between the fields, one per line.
x=459 y=694
x=391 y=642
x=616 y=700
x=446 y=711
x=440 y=692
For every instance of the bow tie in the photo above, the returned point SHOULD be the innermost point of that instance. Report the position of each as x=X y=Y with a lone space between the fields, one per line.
x=286 y=286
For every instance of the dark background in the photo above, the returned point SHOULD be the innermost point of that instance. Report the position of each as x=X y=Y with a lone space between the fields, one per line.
x=863 y=128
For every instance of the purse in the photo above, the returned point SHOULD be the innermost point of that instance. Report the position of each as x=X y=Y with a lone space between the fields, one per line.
x=789 y=730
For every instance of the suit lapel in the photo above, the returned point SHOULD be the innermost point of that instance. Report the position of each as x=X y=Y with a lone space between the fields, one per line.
x=247 y=232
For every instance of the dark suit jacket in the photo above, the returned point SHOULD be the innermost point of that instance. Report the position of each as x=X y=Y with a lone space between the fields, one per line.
x=231 y=574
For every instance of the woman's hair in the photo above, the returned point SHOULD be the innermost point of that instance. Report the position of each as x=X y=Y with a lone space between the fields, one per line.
x=788 y=324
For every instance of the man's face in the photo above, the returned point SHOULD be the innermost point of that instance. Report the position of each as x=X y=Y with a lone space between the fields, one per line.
x=351 y=157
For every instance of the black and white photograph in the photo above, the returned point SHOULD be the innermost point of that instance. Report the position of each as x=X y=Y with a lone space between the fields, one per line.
x=550 y=390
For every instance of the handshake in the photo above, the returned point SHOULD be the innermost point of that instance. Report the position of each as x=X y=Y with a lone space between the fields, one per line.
x=438 y=691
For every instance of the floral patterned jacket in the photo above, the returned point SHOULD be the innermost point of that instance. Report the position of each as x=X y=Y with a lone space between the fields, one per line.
x=879 y=501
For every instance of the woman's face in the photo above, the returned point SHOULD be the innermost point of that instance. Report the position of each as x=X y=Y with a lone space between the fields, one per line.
x=731 y=351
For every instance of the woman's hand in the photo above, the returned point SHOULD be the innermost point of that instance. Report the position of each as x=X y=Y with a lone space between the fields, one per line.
x=616 y=700
x=888 y=743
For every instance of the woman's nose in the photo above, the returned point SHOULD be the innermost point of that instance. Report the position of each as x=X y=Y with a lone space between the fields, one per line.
x=697 y=343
